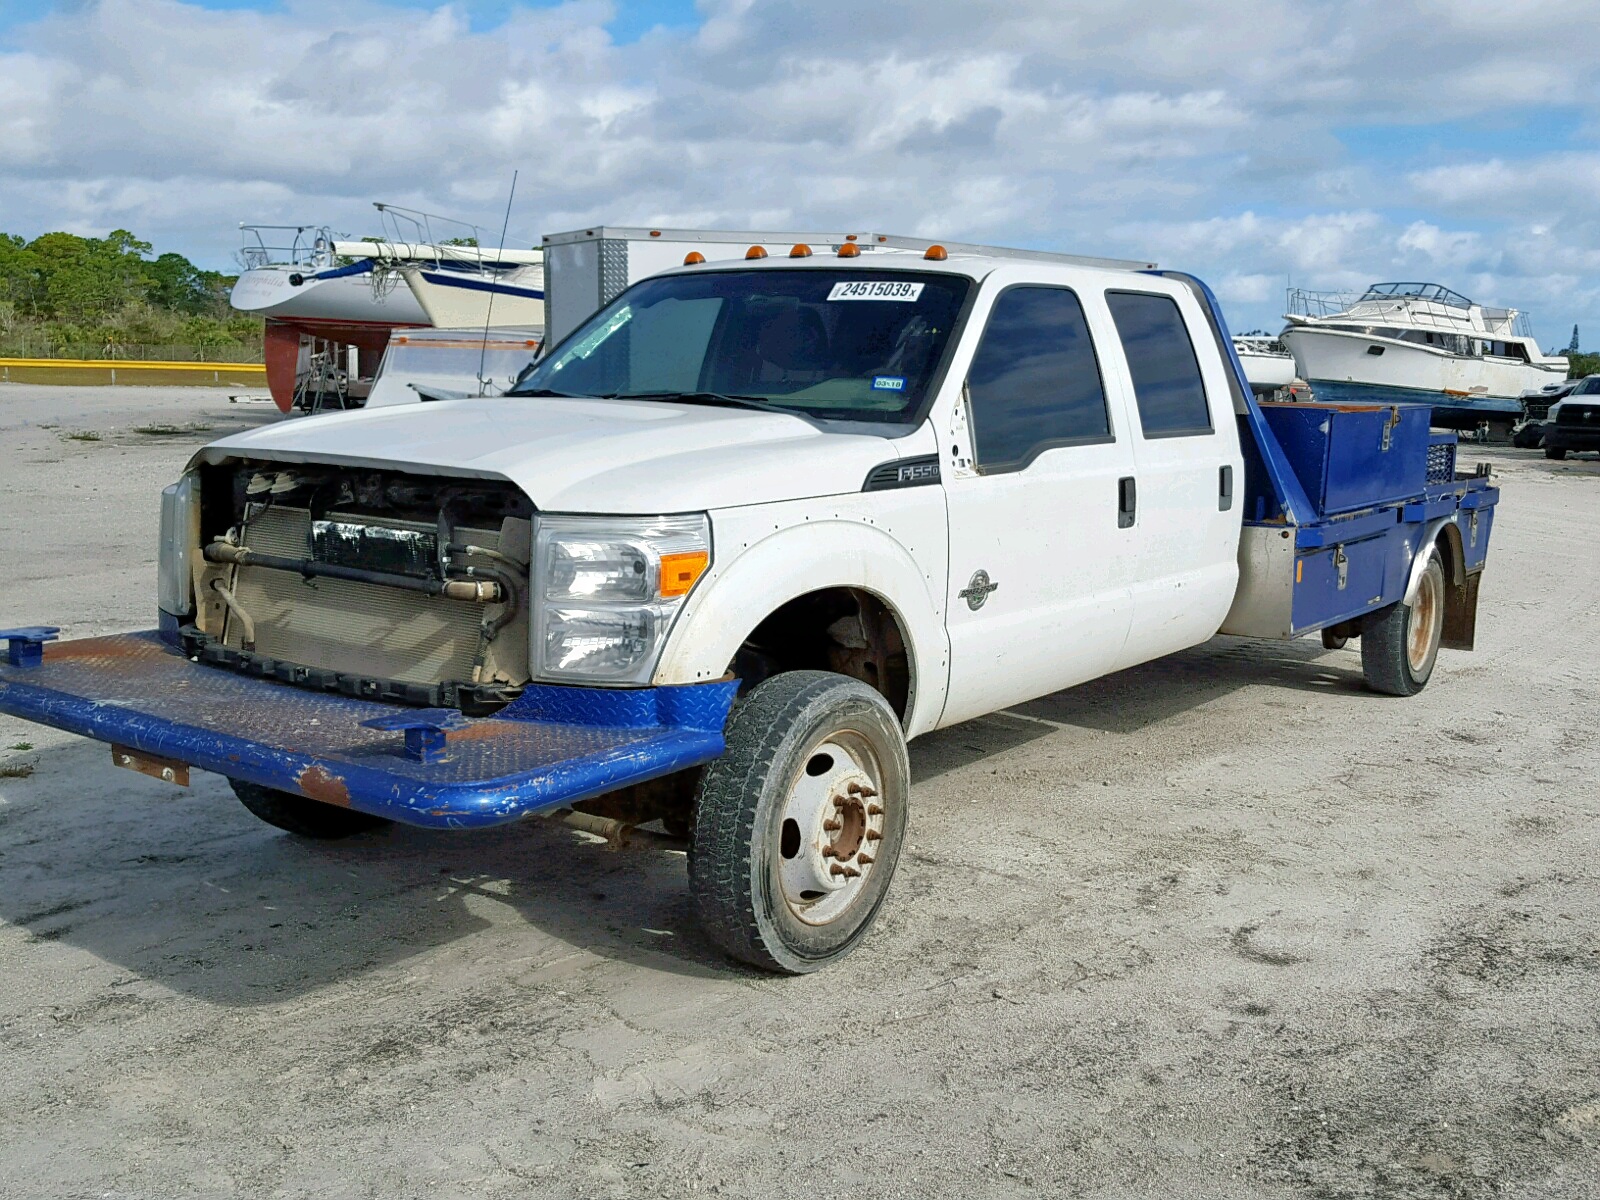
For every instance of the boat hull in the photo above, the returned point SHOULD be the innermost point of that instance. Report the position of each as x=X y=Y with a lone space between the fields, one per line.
x=1267 y=372
x=348 y=296
x=454 y=300
x=1463 y=391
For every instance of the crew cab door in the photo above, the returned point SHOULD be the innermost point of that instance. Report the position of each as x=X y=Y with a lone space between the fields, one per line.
x=1188 y=469
x=1039 y=591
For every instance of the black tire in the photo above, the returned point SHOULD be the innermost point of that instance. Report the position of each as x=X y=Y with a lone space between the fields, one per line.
x=1529 y=436
x=1334 y=641
x=303 y=817
x=1400 y=644
x=747 y=845
x=1556 y=452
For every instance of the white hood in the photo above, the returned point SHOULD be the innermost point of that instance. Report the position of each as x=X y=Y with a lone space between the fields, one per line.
x=588 y=456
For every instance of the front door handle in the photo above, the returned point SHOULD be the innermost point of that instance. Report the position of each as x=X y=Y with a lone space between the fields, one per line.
x=1127 y=501
x=1225 y=489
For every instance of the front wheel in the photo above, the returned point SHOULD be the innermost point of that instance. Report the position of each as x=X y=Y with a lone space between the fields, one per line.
x=1400 y=645
x=798 y=826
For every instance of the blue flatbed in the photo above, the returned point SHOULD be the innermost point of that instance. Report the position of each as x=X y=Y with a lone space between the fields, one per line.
x=553 y=747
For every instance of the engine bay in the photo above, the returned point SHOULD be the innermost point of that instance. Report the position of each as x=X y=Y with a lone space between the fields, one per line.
x=371 y=583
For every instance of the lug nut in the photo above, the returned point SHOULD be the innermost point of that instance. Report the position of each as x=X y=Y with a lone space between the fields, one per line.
x=839 y=801
x=836 y=869
x=851 y=873
x=830 y=826
x=862 y=789
x=874 y=836
x=866 y=860
x=828 y=852
x=874 y=810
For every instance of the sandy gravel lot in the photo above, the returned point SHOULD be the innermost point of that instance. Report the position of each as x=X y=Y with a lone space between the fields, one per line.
x=1223 y=925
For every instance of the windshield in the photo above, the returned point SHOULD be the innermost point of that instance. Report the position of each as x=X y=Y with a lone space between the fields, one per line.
x=850 y=344
x=1588 y=387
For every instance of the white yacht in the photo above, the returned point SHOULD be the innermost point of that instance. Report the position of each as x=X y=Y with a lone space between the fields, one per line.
x=1418 y=342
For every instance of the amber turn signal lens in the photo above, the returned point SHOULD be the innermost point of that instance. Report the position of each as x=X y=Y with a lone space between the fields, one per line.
x=693 y=257
x=756 y=252
x=849 y=250
x=679 y=572
x=801 y=250
x=937 y=253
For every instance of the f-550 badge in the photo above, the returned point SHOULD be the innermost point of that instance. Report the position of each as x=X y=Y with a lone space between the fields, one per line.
x=977 y=590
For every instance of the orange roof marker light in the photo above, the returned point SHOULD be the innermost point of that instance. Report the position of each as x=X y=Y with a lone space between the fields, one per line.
x=849 y=250
x=849 y=237
x=801 y=250
x=936 y=253
x=693 y=257
x=655 y=233
x=756 y=252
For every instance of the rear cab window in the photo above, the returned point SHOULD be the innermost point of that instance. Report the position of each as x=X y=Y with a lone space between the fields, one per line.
x=1167 y=386
x=1034 y=382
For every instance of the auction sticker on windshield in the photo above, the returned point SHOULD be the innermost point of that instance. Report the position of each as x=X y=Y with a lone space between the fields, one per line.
x=876 y=289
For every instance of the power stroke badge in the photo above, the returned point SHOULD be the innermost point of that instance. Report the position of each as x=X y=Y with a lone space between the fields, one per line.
x=976 y=593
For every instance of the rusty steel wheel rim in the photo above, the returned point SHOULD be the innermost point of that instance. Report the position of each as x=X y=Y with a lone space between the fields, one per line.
x=1422 y=634
x=833 y=821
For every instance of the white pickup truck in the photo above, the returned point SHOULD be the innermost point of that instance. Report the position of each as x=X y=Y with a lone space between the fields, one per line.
x=735 y=540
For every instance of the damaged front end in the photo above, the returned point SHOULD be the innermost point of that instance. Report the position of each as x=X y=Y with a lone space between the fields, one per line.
x=369 y=583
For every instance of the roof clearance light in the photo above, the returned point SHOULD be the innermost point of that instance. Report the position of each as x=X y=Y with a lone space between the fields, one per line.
x=849 y=250
x=693 y=257
x=679 y=572
x=801 y=250
x=937 y=253
x=655 y=233
x=849 y=237
x=756 y=252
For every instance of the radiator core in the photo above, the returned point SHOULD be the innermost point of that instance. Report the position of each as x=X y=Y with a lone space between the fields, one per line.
x=354 y=628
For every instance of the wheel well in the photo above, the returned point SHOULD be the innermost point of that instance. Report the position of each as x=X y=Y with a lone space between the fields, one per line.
x=1449 y=545
x=846 y=630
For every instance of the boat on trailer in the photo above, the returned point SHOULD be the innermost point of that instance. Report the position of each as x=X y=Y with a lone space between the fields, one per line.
x=1420 y=343
x=332 y=303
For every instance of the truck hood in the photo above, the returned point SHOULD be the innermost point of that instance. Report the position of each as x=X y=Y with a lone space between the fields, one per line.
x=626 y=457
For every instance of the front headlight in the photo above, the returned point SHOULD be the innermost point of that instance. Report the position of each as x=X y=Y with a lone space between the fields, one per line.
x=606 y=591
x=179 y=534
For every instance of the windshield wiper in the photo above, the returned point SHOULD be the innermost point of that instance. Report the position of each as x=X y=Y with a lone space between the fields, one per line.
x=759 y=403
x=548 y=392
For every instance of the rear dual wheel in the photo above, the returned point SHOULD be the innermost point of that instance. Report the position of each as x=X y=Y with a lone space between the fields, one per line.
x=798 y=826
x=1400 y=645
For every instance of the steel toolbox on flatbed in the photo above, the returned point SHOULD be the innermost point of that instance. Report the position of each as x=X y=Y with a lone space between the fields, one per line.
x=550 y=748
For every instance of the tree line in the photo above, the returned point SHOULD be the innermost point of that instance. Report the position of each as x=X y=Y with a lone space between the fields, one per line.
x=62 y=295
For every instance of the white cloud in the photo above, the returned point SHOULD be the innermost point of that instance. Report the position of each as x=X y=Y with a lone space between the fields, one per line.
x=1111 y=129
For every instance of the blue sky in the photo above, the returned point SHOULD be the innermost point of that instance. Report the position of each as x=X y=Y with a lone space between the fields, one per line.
x=1327 y=142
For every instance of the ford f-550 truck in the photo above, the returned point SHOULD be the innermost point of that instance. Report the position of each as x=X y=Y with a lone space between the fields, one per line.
x=737 y=538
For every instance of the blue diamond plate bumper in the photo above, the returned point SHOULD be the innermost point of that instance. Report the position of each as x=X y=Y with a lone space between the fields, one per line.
x=552 y=747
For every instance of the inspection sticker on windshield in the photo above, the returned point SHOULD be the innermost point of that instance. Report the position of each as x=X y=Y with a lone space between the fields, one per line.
x=876 y=289
x=889 y=383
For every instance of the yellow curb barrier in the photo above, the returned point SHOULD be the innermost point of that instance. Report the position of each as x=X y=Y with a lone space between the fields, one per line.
x=101 y=370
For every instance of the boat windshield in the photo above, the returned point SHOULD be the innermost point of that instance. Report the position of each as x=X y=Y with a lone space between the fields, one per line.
x=1417 y=291
x=858 y=345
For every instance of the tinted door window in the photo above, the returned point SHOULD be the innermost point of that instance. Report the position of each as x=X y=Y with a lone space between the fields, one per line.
x=1166 y=374
x=1034 y=381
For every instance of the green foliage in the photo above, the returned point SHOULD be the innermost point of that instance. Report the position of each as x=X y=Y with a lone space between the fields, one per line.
x=64 y=295
x=1579 y=365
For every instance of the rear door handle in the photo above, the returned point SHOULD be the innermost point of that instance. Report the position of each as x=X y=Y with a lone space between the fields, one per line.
x=1127 y=501
x=1225 y=489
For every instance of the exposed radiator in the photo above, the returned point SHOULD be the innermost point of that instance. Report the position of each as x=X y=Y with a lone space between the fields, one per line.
x=356 y=628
